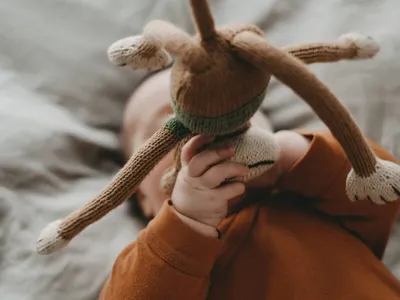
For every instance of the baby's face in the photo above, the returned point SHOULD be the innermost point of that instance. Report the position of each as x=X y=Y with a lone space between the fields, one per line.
x=147 y=111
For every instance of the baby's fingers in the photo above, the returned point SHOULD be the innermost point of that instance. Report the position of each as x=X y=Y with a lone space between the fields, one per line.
x=217 y=174
x=208 y=158
x=191 y=148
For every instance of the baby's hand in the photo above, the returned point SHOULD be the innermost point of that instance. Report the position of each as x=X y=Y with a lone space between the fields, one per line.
x=201 y=194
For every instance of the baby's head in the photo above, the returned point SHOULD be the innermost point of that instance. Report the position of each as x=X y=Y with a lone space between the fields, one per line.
x=146 y=111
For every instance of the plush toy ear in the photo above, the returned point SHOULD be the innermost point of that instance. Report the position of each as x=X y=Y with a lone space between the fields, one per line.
x=371 y=178
x=139 y=53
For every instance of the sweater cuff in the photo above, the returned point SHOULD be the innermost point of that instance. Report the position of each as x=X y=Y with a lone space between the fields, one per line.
x=318 y=168
x=179 y=245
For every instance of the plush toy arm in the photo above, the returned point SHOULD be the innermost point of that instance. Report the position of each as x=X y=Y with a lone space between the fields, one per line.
x=167 y=35
x=58 y=233
x=138 y=53
x=350 y=46
x=153 y=48
x=370 y=178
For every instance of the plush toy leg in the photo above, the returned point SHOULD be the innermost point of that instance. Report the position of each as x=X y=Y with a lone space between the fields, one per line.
x=370 y=178
x=381 y=187
x=57 y=234
x=349 y=46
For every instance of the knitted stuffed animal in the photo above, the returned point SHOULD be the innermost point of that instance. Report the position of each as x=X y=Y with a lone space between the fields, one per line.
x=218 y=81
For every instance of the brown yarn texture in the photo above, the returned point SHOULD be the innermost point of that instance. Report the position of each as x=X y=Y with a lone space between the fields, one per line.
x=224 y=84
x=322 y=52
x=304 y=83
x=123 y=185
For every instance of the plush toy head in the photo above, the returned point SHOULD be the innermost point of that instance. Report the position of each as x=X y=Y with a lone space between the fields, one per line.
x=218 y=81
x=212 y=90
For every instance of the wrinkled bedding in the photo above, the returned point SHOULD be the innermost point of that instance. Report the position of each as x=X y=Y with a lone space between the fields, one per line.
x=61 y=103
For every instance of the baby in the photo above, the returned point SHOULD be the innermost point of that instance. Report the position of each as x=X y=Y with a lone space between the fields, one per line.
x=291 y=233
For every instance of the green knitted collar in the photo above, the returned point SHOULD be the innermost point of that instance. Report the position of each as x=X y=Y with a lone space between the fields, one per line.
x=222 y=124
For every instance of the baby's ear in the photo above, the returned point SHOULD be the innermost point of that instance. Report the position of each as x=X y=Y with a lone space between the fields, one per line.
x=139 y=53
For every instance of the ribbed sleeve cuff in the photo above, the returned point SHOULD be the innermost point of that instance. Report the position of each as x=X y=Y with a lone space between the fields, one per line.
x=179 y=245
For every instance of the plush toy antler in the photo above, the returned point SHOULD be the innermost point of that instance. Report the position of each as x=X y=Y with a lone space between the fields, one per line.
x=218 y=82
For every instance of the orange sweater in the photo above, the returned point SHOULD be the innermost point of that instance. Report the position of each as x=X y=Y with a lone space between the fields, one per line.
x=308 y=242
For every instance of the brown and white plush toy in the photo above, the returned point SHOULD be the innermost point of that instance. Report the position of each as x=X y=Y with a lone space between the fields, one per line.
x=218 y=81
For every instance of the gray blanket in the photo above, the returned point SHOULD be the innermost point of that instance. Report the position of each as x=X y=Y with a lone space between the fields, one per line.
x=60 y=147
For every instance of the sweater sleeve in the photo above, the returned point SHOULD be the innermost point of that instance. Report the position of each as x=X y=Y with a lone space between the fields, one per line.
x=321 y=175
x=168 y=261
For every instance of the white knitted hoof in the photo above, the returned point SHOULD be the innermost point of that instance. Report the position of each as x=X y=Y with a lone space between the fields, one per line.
x=382 y=187
x=367 y=46
x=135 y=51
x=50 y=239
